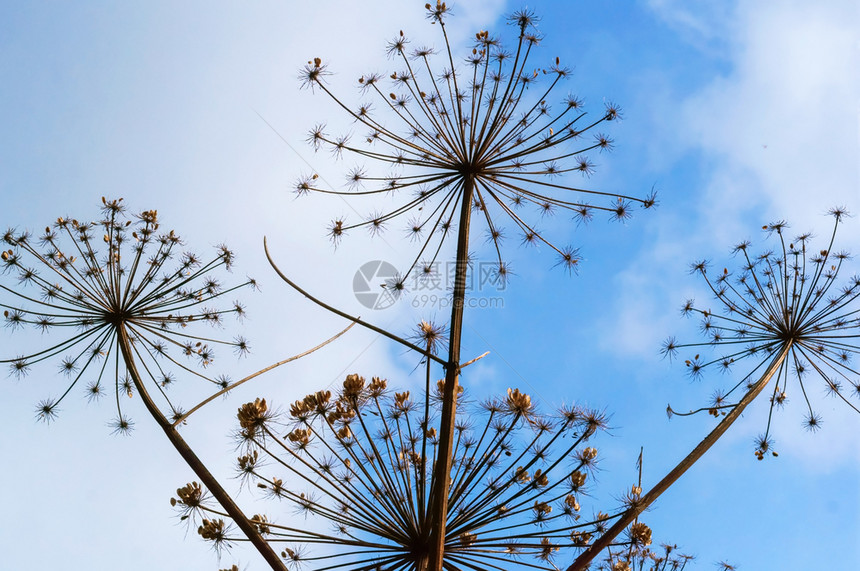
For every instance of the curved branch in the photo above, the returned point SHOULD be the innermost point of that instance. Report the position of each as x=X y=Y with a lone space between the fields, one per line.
x=357 y=320
x=257 y=374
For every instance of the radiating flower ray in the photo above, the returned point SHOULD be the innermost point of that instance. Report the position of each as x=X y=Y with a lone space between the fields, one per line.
x=133 y=276
x=478 y=128
x=789 y=299
x=360 y=463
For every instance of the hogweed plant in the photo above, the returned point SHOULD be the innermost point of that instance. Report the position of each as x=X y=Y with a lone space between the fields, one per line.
x=397 y=482
x=361 y=461
x=124 y=298
x=477 y=132
x=644 y=558
x=462 y=136
x=787 y=304
x=785 y=314
x=92 y=287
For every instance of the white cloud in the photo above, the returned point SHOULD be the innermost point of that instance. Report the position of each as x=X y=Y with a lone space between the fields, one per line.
x=704 y=24
x=782 y=124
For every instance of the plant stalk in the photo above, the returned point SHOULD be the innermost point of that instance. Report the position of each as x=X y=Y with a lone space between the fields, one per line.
x=194 y=462
x=631 y=514
x=438 y=512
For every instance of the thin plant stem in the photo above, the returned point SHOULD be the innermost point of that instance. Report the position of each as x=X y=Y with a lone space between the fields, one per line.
x=193 y=461
x=336 y=311
x=232 y=386
x=605 y=540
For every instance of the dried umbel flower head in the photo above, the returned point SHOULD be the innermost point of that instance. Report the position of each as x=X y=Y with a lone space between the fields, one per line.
x=215 y=531
x=787 y=313
x=363 y=463
x=430 y=335
x=253 y=417
x=484 y=134
x=116 y=282
x=191 y=501
x=640 y=534
x=518 y=402
x=637 y=557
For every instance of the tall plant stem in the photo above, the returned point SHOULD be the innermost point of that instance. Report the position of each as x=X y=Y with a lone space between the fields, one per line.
x=442 y=470
x=194 y=462
x=631 y=514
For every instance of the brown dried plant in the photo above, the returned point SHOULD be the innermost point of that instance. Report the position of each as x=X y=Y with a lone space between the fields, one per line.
x=784 y=304
x=786 y=314
x=404 y=483
x=127 y=298
x=475 y=135
x=360 y=463
x=478 y=133
x=639 y=557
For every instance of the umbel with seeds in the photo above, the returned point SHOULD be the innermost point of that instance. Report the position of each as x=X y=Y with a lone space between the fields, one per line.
x=372 y=477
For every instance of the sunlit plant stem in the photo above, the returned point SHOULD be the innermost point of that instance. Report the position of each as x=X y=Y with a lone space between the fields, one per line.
x=631 y=514
x=439 y=509
x=192 y=460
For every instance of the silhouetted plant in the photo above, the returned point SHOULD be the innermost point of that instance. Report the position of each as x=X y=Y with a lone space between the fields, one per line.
x=638 y=557
x=408 y=484
x=118 y=276
x=362 y=461
x=471 y=135
x=787 y=303
x=785 y=313
x=477 y=132
x=125 y=295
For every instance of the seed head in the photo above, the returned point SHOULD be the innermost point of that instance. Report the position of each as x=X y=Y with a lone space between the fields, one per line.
x=786 y=302
x=474 y=137
x=134 y=289
x=372 y=452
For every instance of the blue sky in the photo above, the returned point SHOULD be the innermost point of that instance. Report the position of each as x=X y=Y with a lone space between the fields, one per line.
x=738 y=113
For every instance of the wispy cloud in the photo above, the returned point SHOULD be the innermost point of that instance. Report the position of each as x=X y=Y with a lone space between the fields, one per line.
x=783 y=121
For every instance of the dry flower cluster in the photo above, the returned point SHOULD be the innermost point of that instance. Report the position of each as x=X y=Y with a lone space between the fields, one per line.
x=785 y=308
x=97 y=281
x=361 y=461
x=428 y=481
x=477 y=135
